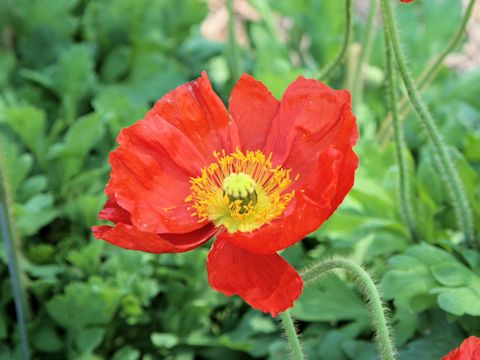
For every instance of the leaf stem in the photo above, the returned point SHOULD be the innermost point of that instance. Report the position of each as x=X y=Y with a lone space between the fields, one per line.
x=429 y=73
x=370 y=292
x=405 y=186
x=292 y=336
x=447 y=168
x=366 y=47
x=232 y=43
x=346 y=41
x=13 y=268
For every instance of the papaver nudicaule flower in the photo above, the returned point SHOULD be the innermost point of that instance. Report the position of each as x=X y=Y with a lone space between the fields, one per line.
x=260 y=177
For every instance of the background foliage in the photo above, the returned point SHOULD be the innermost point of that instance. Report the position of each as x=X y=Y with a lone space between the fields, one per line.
x=74 y=72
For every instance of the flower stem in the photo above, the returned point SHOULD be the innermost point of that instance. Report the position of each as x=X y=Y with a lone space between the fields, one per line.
x=8 y=241
x=292 y=336
x=405 y=186
x=366 y=47
x=346 y=41
x=370 y=292
x=447 y=168
x=429 y=73
x=233 y=53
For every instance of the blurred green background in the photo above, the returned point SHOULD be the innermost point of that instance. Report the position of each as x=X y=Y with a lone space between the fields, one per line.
x=75 y=72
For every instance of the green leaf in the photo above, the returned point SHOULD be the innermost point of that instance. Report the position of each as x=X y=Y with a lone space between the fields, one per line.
x=18 y=165
x=80 y=138
x=451 y=274
x=28 y=122
x=7 y=59
x=117 y=63
x=45 y=338
x=439 y=337
x=32 y=186
x=44 y=29
x=164 y=340
x=87 y=258
x=459 y=301
x=126 y=353
x=84 y=304
x=329 y=300
x=87 y=339
x=35 y=213
x=74 y=75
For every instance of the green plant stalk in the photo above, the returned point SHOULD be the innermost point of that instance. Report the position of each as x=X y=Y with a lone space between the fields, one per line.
x=370 y=292
x=430 y=72
x=233 y=53
x=13 y=269
x=366 y=48
x=263 y=7
x=346 y=41
x=447 y=169
x=404 y=184
x=292 y=336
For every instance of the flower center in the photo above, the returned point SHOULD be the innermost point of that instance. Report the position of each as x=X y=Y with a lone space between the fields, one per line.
x=240 y=191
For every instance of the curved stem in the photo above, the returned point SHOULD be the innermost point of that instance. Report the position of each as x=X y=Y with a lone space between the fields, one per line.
x=346 y=41
x=370 y=292
x=445 y=164
x=366 y=47
x=13 y=269
x=429 y=73
x=232 y=43
x=405 y=186
x=292 y=336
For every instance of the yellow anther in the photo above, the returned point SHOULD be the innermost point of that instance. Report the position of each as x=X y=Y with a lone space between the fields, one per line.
x=240 y=191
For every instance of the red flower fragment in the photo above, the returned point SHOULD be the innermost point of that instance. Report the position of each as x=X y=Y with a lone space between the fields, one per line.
x=468 y=350
x=261 y=177
x=406 y=1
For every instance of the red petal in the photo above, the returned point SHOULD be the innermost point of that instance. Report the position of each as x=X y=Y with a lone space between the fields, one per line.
x=468 y=350
x=129 y=237
x=197 y=112
x=150 y=176
x=266 y=282
x=303 y=214
x=252 y=107
x=308 y=112
x=313 y=134
x=113 y=212
x=335 y=167
x=301 y=217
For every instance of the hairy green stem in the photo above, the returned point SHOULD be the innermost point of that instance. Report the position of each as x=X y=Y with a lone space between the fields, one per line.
x=405 y=187
x=370 y=292
x=13 y=268
x=429 y=73
x=233 y=53
x=346 y=41
x=292 y=336
x=447 y=168
x=366 y=47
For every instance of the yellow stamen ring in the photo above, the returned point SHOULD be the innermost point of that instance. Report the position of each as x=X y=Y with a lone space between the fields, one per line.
x=240 y=191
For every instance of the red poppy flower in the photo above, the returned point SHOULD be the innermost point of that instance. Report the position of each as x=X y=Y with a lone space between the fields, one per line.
x=468 y=350
x=406 y=1
x=261 y=179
